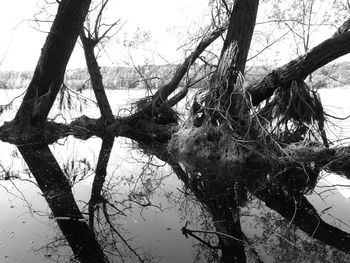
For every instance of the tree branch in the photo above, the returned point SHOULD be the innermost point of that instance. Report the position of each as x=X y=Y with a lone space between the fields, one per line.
x=170 y=87
x=301 y=67
x=99 y=18
x=98 y=39
x=343 y=28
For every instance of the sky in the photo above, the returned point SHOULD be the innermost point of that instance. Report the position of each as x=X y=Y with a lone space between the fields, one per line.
x=20 y=43
x=169 y=23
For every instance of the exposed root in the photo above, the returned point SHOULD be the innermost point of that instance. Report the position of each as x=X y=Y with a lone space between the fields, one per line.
x=219 y=104
x=288 y=128
x=210 y=142
x=294 y=115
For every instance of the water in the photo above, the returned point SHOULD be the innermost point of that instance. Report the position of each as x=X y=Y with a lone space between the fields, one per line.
x=140 y=206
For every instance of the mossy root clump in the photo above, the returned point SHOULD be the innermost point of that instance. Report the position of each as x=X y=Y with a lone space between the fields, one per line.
x=209 y=142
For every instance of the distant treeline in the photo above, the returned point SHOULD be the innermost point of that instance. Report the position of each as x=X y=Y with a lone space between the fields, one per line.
x=113 y=77
x=154 y=76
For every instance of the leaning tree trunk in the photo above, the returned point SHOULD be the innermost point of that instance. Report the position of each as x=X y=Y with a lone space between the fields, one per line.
x=233 y=58
x=96 y=79
x=49 y=72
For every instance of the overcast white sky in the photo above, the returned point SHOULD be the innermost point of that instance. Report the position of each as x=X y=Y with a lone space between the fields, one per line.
x=168 y=21
x=20 y=44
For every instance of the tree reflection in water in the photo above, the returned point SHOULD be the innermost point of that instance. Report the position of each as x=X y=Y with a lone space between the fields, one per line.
x=258 y=214
x=227 y=194
x=58 y=194
x=95 y=239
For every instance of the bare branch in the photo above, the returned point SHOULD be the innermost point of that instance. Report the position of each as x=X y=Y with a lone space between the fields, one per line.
x=145 y=80
x=170 y=87
x=99 y=18
x=179 y=96
x=343 y=28
x=120 y=236
x=268 y=46
x=292 y=20
x=226 y=6
x=98 y=39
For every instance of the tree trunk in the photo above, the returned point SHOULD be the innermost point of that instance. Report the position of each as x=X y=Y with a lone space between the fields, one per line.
x=49 y=72
x=96 y=79
x=239 y=34
x=233 y=58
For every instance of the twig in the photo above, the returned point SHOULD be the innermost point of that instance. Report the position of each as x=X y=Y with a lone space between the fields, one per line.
x=120 y=236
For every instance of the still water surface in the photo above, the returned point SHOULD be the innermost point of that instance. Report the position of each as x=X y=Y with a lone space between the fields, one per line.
x=137 y=208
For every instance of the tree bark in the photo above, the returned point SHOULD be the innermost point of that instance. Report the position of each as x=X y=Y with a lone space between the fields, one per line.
x=96 y=79
x=239 y=35
x=49 y=72
x=234 y=56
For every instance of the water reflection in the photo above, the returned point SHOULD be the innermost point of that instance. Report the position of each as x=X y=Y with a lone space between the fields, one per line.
x=227 y=191
x=58 y=194
x=246 y=213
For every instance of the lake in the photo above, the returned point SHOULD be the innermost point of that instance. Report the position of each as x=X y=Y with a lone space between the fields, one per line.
x=63 y=203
